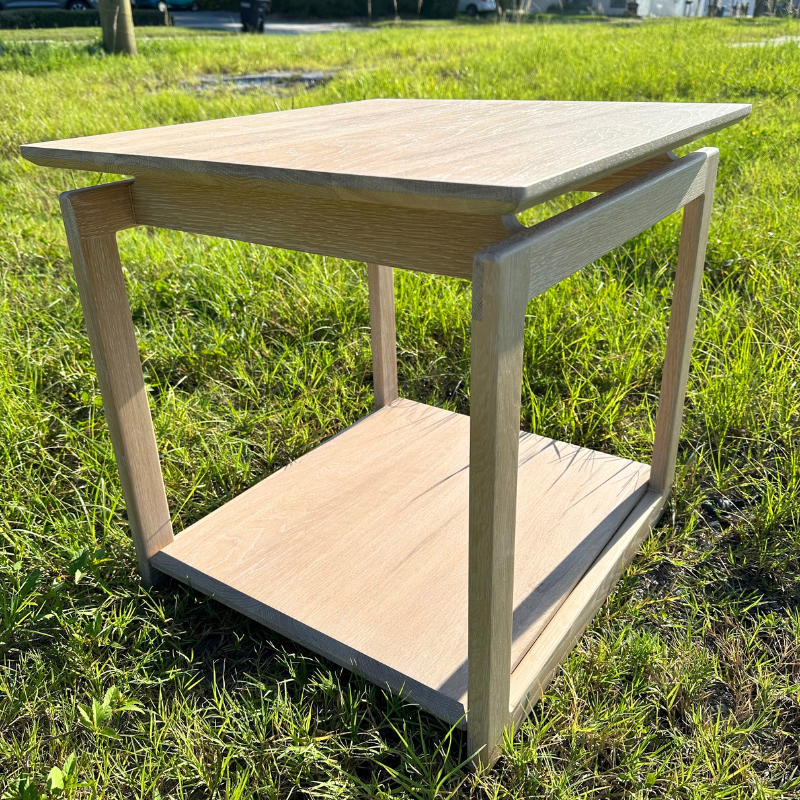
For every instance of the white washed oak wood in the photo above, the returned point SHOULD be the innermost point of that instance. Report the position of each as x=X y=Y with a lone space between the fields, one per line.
x=359 y=549
x=101 y=285
x=383 y=333
x=683 y=315
x=546 y=254
x=559 y=246
x=382 y=547
x=496 y=693
x=536 y=669
x=443 y=242
x=276 y=215
x=629 y=173
x=484 y=156
x=494 y=408
x=596 y=208
x=98 y=210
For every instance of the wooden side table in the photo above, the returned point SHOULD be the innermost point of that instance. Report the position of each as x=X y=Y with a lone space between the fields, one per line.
x=417 y=542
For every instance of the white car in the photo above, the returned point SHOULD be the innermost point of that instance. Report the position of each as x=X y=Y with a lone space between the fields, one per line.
x=475 y=7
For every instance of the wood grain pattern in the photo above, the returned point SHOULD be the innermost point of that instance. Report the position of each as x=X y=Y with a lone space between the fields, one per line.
x=561 y=245
x=384 y=338
x=495 y=389
x=101 y=285
x=359 y=549
x=685 y=299
x=249 y=211
x=452 y=559
x=483 y=156
x=536 y=669
x=99 y=210
x=629 y=173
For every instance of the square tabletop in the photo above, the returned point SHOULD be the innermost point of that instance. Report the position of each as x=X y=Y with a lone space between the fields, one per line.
x=502 y=156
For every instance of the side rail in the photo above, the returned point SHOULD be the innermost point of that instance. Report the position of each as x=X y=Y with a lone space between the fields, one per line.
x=562 y=245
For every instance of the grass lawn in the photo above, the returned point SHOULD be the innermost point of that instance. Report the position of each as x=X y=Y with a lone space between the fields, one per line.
x=686 y=685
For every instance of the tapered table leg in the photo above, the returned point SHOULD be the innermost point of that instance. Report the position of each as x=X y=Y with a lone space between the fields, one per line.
x=500 y=296
x=685 y=299
x=101 y=284
x=384 y=338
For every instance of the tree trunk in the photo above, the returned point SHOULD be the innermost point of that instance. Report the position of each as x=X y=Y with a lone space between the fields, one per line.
x=116 y=19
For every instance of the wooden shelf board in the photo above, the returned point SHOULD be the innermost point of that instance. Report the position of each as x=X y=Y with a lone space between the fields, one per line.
x=358 y=550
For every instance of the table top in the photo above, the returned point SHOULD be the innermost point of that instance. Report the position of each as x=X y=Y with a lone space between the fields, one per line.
x=501 y=156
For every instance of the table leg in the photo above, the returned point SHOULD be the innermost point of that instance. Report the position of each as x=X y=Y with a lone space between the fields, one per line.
x=685 y=299
x=500 y=296
x=101 y=285
x=384 y=341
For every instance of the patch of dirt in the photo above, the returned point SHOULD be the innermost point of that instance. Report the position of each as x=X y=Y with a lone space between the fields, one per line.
x=278 y=82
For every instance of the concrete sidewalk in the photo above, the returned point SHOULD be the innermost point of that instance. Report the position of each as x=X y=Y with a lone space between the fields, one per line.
x=229 y=20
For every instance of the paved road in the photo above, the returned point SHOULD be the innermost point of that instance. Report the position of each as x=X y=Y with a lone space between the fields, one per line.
x=764 y=42
x=227 y=20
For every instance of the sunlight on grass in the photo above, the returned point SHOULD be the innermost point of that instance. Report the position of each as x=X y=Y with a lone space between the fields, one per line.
x=686 y=684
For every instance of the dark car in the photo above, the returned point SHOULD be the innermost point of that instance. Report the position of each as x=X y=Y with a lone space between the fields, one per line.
x=72 y=5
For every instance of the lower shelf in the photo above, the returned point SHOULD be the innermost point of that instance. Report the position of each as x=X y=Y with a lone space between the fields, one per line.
x=358 y=550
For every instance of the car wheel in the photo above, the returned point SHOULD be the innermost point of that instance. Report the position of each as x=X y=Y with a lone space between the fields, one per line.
x=472 y=10
x=78 y=5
